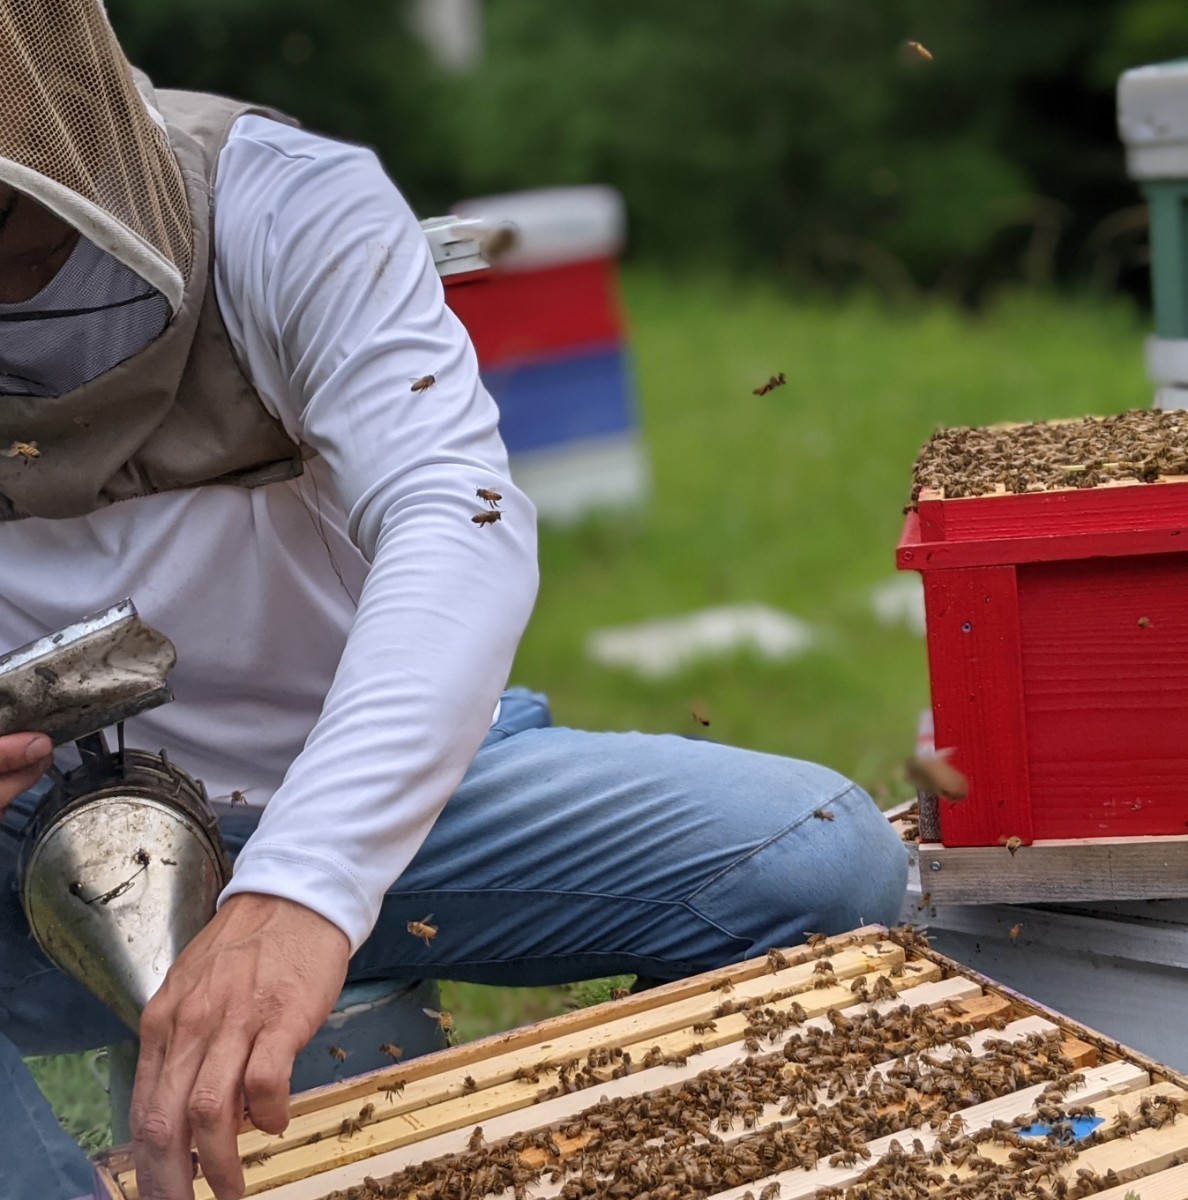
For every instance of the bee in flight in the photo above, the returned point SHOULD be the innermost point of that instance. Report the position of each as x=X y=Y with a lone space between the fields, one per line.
x=445 y=1022
x=933 y=773
x=422 y=929
x=774 y=382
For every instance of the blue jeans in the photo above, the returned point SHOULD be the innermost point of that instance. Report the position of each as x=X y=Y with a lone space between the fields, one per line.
x=564 y=855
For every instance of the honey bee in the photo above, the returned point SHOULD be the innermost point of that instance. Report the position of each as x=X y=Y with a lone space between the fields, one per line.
x=424 y=383
x=1015 y=930
x=700 y=713
x=487 y=518
x=822 y=815
x=422 y=929
x=1143 y=622
x=393 y=1089
x=620 y=993
x=925 y=900
x=704 y=1027
x=815 y=939
x=770 y=1192
x=349 y=1127
x=469 y=1085
x=774 y=382
x=26 y=450
x=256 y=1158
x=490 y=495
x=237 y=798
x=337 y=1053
x=498 y=242
x=392 y=1051
x=367 y=1112
x=476 y=1139
x=1013 y=844
x=922 y=51
x=444 y=1020
x=932 y=773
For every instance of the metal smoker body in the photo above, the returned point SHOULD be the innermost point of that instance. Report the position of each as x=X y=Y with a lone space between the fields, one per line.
x=122 y=862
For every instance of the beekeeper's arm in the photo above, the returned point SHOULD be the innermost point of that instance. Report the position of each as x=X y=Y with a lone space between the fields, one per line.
x=336 y=308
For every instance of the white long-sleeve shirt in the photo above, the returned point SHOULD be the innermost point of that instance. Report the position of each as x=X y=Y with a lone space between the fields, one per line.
x=349 y=698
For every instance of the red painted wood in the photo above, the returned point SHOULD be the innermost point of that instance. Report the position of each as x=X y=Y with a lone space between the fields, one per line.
x=977 y=701
x=1105 y=683
x=1063 y=513
x=923 y=556
x=512 y=316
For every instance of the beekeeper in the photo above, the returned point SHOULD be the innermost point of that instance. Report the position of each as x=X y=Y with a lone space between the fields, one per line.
x=209 y=324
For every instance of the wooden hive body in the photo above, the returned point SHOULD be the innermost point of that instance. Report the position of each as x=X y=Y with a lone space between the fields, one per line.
x=750 y=1075
x=1057 y=626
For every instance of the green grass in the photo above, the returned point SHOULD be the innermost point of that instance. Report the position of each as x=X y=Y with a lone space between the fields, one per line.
x=795 y=499
x=792 y=499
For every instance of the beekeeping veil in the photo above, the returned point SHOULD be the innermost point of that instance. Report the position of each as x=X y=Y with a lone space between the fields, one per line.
x=78 y=136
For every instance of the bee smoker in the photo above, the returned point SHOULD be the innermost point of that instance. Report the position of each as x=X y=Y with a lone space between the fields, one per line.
x=121 y=863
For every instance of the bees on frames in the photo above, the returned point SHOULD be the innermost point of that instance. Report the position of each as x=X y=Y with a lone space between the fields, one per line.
x=422 y=929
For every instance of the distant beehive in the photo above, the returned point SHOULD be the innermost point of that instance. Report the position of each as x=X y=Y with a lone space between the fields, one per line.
x=550 y=336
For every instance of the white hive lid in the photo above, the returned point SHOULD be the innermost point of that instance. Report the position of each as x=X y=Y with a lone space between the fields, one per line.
x=1153 y=120
x=555 y=225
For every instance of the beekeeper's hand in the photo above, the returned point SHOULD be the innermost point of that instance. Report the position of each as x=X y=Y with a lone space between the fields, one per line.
x=24 y=758
x=242 y=999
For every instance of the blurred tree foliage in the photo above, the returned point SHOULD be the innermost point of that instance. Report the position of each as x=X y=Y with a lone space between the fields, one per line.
x=794 y=136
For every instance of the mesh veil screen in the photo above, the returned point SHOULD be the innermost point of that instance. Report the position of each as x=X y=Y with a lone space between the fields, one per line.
x=79 y=138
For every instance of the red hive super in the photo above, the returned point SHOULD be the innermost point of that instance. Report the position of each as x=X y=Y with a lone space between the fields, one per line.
x=1058 y=658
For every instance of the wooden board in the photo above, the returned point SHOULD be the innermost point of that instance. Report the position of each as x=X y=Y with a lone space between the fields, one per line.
x=803 y=1033
x=1059 y=871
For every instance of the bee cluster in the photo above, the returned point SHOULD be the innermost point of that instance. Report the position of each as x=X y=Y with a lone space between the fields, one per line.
x=805 y=1095
x=1142 y=445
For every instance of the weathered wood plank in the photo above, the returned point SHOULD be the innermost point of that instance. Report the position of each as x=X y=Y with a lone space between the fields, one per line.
x=1169 y=1184
x=1057 y=871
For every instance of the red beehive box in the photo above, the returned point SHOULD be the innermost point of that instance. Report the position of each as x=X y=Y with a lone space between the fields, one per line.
x=1057 y=628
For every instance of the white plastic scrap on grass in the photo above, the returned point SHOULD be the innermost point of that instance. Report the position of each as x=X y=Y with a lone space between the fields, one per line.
x=663 y=645
x=899 y=601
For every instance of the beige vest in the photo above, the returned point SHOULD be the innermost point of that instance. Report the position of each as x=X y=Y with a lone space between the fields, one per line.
x=180 y=413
